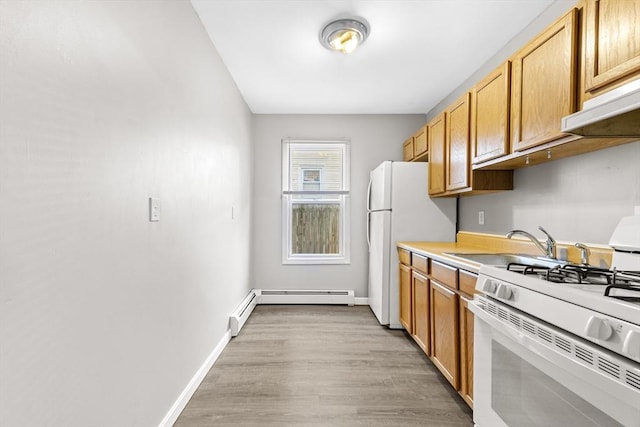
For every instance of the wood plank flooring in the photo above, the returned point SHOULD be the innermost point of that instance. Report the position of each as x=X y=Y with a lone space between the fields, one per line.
x=323 y=366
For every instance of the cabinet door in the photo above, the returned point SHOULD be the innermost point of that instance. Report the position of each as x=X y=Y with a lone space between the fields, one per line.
x=466 y=351
x=612 y=43
x=543 y=84
x=420 y=145
x=457 y=144
x=407 y=150
x=490 y=115
x=421 y=322
x=406 y=317
x=445 y=342
x=437 y=154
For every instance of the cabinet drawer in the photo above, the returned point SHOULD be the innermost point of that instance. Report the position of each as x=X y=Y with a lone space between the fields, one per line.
x=404 y=256
x=445 y=274
x=419 y=263
x=467 y=282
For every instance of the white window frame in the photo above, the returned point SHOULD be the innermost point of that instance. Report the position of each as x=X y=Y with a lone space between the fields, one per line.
x=289 y=199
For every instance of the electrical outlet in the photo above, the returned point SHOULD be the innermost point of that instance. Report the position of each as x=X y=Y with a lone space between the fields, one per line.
x=481 y=217
x=154 y=209
x=636 y=210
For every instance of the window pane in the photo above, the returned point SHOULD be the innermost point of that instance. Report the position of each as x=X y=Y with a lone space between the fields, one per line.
x=315 y=228
x=316 y=167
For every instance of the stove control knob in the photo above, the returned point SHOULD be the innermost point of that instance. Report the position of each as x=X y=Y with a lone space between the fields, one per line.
x=598 y=328
x=489 y=286
x=504 y=292
x=631 y=345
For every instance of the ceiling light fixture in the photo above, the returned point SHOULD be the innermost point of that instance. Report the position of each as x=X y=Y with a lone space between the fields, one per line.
x=344 y=35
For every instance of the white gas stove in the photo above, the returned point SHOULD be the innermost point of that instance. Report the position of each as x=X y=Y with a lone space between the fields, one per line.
x=571 y=332
x=608 y=315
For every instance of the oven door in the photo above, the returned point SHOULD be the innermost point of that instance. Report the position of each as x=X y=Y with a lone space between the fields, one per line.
x=528 y=373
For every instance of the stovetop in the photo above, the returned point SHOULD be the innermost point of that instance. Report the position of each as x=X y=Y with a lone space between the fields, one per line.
x=611 y=292
x=622 y=285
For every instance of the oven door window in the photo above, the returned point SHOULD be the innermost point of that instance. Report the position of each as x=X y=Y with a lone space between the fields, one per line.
x=522 y=395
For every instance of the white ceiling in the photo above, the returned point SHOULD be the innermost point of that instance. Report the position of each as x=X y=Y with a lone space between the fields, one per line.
x=417 y=53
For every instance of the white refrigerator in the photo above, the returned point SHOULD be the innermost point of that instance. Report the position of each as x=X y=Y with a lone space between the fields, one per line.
x=399 y=209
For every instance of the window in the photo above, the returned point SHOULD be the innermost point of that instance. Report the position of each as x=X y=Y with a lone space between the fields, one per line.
x=315 y=202
x=311 y=179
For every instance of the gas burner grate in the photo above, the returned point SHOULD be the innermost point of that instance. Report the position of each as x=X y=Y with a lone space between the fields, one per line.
x=631 y=293
x=627 y=281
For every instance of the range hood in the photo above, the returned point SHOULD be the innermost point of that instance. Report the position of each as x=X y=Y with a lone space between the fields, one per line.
x=613 y=114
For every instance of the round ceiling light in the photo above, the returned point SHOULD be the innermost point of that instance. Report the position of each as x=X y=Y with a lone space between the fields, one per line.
x=344 y=35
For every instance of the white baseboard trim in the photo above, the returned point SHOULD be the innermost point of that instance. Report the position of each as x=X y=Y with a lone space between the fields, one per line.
x=361 y=301
x=191 y=388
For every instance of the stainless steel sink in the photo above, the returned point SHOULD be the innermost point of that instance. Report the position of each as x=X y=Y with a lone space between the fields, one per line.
x=506 y=259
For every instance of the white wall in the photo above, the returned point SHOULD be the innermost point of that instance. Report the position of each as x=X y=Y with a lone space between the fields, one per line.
x=579 y=198
x=542 y=21
x=374 y=138
x=104 y=316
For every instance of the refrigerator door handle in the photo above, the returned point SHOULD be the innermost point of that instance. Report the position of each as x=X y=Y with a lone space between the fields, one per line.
x=369 y=230
x=369 y=196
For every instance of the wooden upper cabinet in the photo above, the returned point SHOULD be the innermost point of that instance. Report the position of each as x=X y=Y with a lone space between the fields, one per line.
x=543 y=84
x=611 y=52
x=457 y=144
x=437 y=154
x=416 y=147
x=490 y=115
x=407 y=150
x=420 y=143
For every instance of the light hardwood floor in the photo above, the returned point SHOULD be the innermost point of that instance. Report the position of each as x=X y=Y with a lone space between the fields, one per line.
x=323 y=366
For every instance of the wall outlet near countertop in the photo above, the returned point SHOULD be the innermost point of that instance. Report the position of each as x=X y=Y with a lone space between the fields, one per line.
x=481 y=217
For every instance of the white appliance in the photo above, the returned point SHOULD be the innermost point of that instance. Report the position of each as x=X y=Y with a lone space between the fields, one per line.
x=615 y=113
x=560 y=346
x=399 y=209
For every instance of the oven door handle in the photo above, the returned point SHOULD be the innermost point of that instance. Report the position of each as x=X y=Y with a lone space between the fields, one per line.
x=532 y=347
x=481 y=314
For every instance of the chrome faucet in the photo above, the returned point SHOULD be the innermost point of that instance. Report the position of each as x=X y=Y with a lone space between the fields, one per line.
x=550 y=245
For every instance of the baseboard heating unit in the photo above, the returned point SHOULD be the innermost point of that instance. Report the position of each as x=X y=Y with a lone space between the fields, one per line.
x=242 y=313
x=307 y=297
x=258 y=296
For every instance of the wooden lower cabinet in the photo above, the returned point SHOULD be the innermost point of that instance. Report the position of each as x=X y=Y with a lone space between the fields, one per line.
x=445 y=351
x=406 y=299
x=434 y=309
x=466 y=351
x=421 y=321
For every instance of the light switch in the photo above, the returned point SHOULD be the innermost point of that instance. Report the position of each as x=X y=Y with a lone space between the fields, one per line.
x=154 y=209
